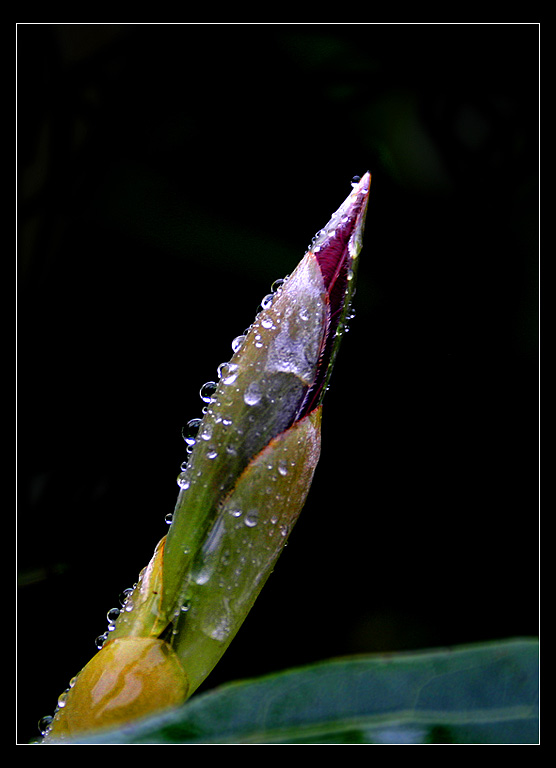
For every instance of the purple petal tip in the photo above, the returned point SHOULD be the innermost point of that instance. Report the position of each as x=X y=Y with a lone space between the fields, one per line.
x=339 y=242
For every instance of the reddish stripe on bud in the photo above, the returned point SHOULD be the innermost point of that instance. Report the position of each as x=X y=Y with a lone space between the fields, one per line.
x=335 y=248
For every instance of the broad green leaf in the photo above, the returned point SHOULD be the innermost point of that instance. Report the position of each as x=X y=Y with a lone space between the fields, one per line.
x=484 y=694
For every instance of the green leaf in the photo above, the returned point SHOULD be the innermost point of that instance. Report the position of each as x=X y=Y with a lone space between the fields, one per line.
x=483 y=694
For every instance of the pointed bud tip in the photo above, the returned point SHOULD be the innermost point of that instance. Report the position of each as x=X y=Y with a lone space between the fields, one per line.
x=336 y=248
x=337 y=245
x=339 y=242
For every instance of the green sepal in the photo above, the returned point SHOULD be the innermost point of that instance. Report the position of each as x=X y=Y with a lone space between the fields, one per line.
x=142 y=614
x=243 y=545
x=258 y=397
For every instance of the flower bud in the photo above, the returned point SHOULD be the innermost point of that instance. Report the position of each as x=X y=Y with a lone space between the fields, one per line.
x=246 y=481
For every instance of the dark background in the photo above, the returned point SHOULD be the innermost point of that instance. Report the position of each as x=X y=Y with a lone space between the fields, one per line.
x=168 y=175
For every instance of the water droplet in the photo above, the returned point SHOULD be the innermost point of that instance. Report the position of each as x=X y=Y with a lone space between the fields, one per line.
x=211 y=453
x=229 y=373
x=168 y=519
x=237 y=342
x=189 y=432
x=267 y=322
x=355 y=181
x=207 y=391
x=99 y=642
x=126 y=594
x=235 y=512
x=251 y=518
x=202 y=576
x=267 y=300
x=62 y=699
x=277 y=284
x=45 y=724
x=112 y=615
x=183 y=481
x=283 y=468
x=225 y=560
x=252 y=395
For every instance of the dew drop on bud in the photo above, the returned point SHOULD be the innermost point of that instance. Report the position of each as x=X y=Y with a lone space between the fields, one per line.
x=228 y=373
x=189 y=432
x=126 y=594
x=183 y=482
x=251 y=519
x=62 y=699
x=252 y=395
x=99 y=642
x=207 y=391
x=267 y=301
x=45 y=724
x=237 y=342
x=283 y=468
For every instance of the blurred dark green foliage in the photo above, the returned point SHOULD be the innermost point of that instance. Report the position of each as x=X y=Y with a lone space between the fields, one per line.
x=167 y=175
